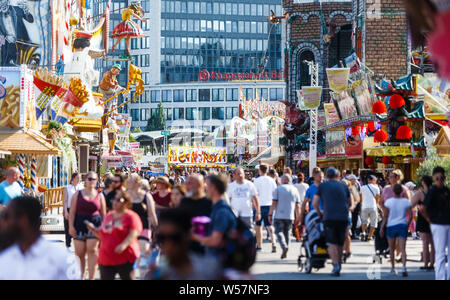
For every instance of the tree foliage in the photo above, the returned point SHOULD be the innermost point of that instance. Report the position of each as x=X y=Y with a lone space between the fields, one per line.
x=433 y=160
x=157 y=122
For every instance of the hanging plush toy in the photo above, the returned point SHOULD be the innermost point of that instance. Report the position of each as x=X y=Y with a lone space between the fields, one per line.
x=128 y=29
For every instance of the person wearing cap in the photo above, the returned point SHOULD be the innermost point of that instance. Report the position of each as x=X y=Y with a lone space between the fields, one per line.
x=80 y=63
x=336 y=200
x=370 y=197
x=162 y=195
x=109 y=86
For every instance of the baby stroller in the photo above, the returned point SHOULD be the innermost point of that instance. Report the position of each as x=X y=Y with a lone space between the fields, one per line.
x=381 y=243
x=313 y=253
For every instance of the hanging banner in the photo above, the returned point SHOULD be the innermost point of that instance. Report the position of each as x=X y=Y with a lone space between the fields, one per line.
x=362 y=97
x=331 y=115
x=352 y=63
x=345 y=104
x=312 y=96
x=338 y=78
x=192 y=155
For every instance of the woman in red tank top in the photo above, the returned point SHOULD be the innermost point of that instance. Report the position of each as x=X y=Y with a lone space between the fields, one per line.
x=88 y=205
x=162 y=194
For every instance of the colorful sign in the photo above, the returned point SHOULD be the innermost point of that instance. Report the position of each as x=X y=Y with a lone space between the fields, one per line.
x=205 y=75
x=331 y=115
x=260 y=109
x=194 y=156
x=312 y=96
x=321 y=119
x=12 y=109
x=123 y=121
x=354 y=146
x=338 y=78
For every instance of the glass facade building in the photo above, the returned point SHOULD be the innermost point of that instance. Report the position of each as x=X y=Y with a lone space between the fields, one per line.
x=229 y=36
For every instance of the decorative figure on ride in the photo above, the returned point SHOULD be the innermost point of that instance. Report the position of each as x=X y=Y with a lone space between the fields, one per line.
x=109 y=87
x=128 y=29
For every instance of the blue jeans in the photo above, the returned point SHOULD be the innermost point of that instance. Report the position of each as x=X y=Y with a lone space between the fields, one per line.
x=282 y=230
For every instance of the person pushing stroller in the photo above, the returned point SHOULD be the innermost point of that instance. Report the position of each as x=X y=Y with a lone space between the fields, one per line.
x=336 y=200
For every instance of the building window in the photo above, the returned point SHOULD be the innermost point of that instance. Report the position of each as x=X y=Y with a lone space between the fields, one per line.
x=263 y=93
x=178 y=96
x=135 y=115
x=191 y=96
x=155 y=96
x=204 y=113
x=166 y=96
x=168 y=114
x=145 y=114
x=248 y=93
x=178 y=114
x=232 y=112
x=276 y=94
x=218 y=95
x=232 y=94
x=218 y=113
x=205 y=95
x=145 y=97
x=191 y=114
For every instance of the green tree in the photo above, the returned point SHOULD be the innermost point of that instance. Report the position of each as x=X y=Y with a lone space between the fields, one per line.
x=157 y=122
x=433 y=160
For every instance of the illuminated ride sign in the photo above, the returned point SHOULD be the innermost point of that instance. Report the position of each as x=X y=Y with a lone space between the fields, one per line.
x=196 y=156
x=205 y=75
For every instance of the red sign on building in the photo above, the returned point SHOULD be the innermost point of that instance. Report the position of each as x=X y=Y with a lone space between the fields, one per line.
x=205 y=75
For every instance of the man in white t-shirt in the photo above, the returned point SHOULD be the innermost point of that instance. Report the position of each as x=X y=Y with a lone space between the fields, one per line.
x=243 y=197
x=265 y=186
x=370 y=195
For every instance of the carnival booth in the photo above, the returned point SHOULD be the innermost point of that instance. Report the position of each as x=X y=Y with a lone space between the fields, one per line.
x=254 y=136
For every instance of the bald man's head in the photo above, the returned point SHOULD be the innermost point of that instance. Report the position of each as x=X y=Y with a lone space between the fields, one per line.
x=286 y=179
x=12 y=175
x=239 y=175
x=195 y=185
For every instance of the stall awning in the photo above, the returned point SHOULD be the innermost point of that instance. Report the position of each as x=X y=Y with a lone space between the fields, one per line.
x=442 y=142
x=86 y=125
x=26 y=143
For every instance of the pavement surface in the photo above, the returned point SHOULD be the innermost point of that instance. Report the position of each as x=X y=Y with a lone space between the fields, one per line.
x=359 y=266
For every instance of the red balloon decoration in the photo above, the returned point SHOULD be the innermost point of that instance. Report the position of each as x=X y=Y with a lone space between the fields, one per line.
x=386 y=160
x=355 y=130
x=380 y=136
x=379 y=107
x=371 y=126
x=404 y=133
x=369 y=161
x=396 y=101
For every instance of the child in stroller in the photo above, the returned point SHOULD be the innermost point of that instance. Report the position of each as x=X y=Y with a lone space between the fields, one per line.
x=314 y=248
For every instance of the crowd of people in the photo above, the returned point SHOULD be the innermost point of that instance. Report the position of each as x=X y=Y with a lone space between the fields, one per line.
x=169 y=227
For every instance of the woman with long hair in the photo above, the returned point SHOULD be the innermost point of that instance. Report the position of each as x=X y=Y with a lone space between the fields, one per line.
x=144 y=206
x=178 y=193
x=87 y=206
x=422 y=225
x=73 y=187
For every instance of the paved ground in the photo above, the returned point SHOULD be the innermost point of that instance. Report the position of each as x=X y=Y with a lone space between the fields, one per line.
x=269 y=266
x=359 y=266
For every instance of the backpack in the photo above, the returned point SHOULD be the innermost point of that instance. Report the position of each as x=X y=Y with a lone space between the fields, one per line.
x=238 y=248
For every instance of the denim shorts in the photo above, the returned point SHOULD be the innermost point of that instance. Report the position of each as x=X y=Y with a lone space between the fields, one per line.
x=397 y=231
x=264 y=216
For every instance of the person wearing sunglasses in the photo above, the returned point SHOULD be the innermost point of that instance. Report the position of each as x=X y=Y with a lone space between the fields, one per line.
x=178 y=262
x=437 y=212
x=118 y=234
x=87 y=206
